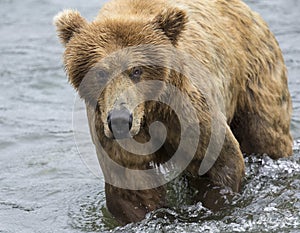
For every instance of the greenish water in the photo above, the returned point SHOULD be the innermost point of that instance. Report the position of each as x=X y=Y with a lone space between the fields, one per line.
x=45 y=185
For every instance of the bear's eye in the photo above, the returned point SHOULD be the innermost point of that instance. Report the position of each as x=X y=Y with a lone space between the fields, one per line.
x=136 y=73
x=102 y=73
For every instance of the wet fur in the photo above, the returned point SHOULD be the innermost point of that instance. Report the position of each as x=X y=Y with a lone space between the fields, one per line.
x=230 y=41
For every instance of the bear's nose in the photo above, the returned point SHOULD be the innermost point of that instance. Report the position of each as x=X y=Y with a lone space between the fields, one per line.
x=120 y=123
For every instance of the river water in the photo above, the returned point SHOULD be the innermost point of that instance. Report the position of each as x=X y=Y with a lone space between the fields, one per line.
x=44 y=184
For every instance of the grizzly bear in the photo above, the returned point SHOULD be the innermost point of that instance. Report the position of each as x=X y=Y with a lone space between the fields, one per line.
x=207 y=78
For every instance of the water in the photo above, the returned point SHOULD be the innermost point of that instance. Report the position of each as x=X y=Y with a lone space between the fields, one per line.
x=46 y=187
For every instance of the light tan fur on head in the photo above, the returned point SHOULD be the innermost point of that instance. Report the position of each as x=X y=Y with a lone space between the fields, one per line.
x=67 y=23
x=94 y=42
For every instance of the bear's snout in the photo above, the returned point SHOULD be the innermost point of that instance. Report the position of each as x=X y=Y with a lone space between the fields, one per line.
x=120 y=122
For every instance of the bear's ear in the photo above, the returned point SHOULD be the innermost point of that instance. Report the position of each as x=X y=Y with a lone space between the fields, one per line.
x=67 y=23
x=171 y=22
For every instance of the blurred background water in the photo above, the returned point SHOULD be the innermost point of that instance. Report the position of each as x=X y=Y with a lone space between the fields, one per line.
x=44 y=184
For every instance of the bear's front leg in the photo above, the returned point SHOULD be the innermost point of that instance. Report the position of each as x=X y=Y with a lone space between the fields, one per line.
x=132 y=205
x=216 y=187
x=229 y=168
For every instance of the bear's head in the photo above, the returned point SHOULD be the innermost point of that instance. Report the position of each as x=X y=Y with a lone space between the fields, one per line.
x=108 y=56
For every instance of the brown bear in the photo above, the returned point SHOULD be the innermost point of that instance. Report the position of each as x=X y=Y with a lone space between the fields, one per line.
x=222 y=59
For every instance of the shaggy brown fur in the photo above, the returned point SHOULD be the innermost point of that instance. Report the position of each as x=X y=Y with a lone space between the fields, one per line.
x=226 y=39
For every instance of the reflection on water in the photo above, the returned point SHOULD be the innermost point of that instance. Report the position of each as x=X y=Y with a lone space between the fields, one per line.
x=44 y=183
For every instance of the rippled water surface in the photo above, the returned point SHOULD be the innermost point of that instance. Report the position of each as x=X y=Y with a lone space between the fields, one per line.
x=46 y=187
